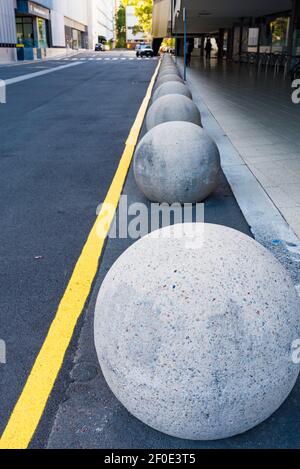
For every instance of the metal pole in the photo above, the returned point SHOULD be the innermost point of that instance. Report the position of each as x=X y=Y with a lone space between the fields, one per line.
x=184 y=43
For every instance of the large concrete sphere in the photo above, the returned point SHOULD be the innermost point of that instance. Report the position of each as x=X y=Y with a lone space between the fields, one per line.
x=172 y=87
x=167 y=78
x=177 y=162
x=196 y=343
x=167 y=64
x=174 y=107
x=167 y=59
x=167 y=71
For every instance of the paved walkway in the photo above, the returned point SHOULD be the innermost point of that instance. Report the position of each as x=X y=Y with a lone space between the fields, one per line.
x=257 y=114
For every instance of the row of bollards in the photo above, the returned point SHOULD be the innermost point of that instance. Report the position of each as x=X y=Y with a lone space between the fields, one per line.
x=194 y=323
x=176 y=161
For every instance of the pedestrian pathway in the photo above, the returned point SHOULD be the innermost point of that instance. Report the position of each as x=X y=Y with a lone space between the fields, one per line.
x=257 y=114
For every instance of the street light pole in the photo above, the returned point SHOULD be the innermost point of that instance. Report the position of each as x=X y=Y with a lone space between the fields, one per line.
x=184 y=42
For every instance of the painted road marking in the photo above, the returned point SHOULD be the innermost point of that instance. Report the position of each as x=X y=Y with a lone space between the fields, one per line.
x=12 y=81
x=31 y=404
x=113 y=59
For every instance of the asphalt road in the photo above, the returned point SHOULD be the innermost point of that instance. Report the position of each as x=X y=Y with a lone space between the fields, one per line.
x=61 y=138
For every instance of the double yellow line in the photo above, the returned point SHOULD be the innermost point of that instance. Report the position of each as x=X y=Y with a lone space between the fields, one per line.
x=33 y=399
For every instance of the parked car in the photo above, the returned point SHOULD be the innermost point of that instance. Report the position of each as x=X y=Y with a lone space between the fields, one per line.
x=144 y=50
x=99 y=47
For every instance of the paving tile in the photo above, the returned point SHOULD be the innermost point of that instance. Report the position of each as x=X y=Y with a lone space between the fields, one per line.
x=292 y=216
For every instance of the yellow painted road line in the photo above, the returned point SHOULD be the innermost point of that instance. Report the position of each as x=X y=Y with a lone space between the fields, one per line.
x=33 y=399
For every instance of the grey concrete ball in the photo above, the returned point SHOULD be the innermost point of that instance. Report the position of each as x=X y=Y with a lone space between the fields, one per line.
x=172 y=107
x=177 y=162
x=196 y=343
x=167 y=71
x=167 y=78
x=172 y=87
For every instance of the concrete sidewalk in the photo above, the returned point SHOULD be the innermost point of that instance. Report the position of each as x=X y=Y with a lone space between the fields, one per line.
x=256 y=113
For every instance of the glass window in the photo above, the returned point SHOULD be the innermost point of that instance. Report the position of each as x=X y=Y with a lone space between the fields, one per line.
x=25 y=35
x=279 y=29
x=42 y=32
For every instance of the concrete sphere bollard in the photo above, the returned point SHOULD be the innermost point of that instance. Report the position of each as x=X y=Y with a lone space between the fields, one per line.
x=197 y=344
x=166 y=66
x=167 y=71
x=167 y=78
x=177 y=162
x=167 y=58
x=172 y=107
x=171 y=87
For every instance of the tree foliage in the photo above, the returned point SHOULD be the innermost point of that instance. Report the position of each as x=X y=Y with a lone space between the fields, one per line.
x=143 y=12
x=121 y=27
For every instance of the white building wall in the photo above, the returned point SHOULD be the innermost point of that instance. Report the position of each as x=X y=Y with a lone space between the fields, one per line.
x=7 y=22
x=8 y=33
x=76 y=10
x=58 y=29
x=101 y=20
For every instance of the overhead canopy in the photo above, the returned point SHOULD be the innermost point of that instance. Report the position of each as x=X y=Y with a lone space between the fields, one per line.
x=205 y=16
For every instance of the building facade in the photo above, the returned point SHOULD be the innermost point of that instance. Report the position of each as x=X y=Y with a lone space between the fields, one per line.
x=101 y=19
x=258 y=26
x=35 y=29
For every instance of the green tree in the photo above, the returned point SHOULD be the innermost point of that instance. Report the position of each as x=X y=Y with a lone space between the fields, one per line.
x=143 y=12
x=121 y=27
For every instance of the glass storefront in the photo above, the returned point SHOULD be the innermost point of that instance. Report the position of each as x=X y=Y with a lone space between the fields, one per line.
x=25 y=34
x=32 y=31
x=32 y=24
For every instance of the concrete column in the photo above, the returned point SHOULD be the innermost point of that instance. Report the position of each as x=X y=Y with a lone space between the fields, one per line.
x=202 y=45
x=293 y=21
x=230 y=43
x=156 y=43
x=221 y=43
x=241 y=37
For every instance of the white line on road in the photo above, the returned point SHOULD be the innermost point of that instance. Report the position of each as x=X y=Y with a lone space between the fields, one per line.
x=12 y=81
